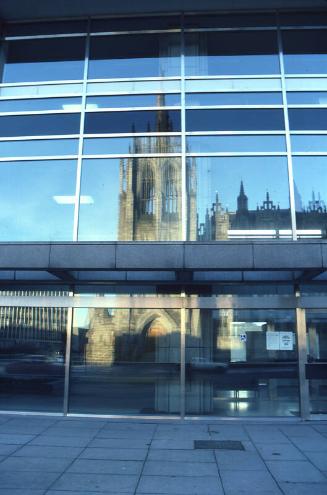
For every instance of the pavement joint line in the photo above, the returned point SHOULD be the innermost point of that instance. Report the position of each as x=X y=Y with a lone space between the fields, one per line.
x=73 y=460
x=304 y=452
x=216 y=461
x=146 y=458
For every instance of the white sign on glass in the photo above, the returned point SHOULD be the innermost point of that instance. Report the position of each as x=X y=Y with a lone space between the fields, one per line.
x=272 y=341
x=279 y=341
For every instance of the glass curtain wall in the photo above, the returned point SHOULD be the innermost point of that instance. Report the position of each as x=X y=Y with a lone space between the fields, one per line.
x=128 y=140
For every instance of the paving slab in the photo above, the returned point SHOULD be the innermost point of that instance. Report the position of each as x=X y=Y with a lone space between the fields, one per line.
x=83 y=492
x=41 y=464
x=27 y=479
x=110 y=483
x=180 y=485
x=101 y=466
x=63 y=441
x=172 y=444
x=178 y=468
x=249 y=483
x=304 y=488
x=279 y=451
x=120 y=443
x=8 y=449
x=18 y=491
x=197 y=456
x=13 y=439
x=48 y=451
x=144 y=436
x=114 y=454
x=295 y=471
x=242 y=460
x=318 y=459
x=318 y=444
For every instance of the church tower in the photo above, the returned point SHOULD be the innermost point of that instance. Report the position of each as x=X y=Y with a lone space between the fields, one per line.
x=242 y=200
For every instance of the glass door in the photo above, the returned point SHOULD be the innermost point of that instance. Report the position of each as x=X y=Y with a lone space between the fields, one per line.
x=316 y=368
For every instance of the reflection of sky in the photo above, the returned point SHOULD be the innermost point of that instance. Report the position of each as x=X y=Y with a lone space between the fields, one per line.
x=134 y=67
x=306 y=63
x=27 y=209
x=224 y=175
x=231 y=64
x=43 y=71
x=99 y=221
x=310 y=175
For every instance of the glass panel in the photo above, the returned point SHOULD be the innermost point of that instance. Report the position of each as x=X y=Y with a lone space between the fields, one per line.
x=125 y=361
x=138 y=121
x=37 y=200
x=310 y=184
x=135 y=24
x=121 y=101
x=133 y=87
x=41 y=90
x=234 y=98
x=241 y=363
x=307 y=119
x=307 y=98
x=39 y=147
x=37 y=28
x=32 y=358
x=131 y=199
x=231 y=53
x=221 y=85
x=237 y=197
x=229 y=20
x=135 y=145
x=305 y=52
x=303 y=19
x=309 y=143
x=230 y=144
x=43 y=60
x=317 y=359
x=36 y=104
x=144 y=55
x=234 y=120
x=306 y=84
x=39 y=125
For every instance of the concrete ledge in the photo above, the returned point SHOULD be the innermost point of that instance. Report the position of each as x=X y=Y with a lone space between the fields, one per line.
x=165 y=256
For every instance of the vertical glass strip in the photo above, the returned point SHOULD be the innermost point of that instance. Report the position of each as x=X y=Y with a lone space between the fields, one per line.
x=81 y=135
x=287 y=131
x=67 y=358
x=182 y=363
x=183 y=135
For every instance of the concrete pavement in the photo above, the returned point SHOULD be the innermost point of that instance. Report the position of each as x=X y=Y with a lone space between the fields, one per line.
x=48 y=455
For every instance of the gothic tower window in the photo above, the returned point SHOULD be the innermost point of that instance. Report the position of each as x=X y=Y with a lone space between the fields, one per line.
x=147 y=191
x=170 y=190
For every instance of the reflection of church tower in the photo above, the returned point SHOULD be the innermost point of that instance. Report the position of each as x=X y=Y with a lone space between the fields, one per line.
x=150 y=189
x=242 y=200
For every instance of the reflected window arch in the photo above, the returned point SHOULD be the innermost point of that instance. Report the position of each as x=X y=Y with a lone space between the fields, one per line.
x=170 y=190
x=147 y=191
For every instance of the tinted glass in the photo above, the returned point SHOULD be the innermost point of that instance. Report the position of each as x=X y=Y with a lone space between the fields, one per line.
x=239 y=197
x=133 y=87
x=135 y=24
x=302 y=142
x=307 y=97
x=303 y=19
x=263 y=98
x=307 y=119
x=41 y=90
x=39 y=125
x=310 y=184
x=153 y=214
x=38 y=147
x=94 y=102
x=34 y=28
x=148 y=121
x=36 y=104
x=135 y=145
x=36 y=200
x=134 y=56
x=228 y=53
x=225 y=84
x=234 y=120
x=202 y=144
x=32 y=357
x=229 y=20
x=316 y=370
x=305 y=52
x=241 y=363
x=44 y=60
x=130 y=361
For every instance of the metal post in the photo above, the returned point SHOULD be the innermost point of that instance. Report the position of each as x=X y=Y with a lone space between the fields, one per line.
x=67 y=359
x=182 y=364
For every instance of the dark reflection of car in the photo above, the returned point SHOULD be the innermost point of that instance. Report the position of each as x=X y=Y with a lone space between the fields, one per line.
x=37 y=370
